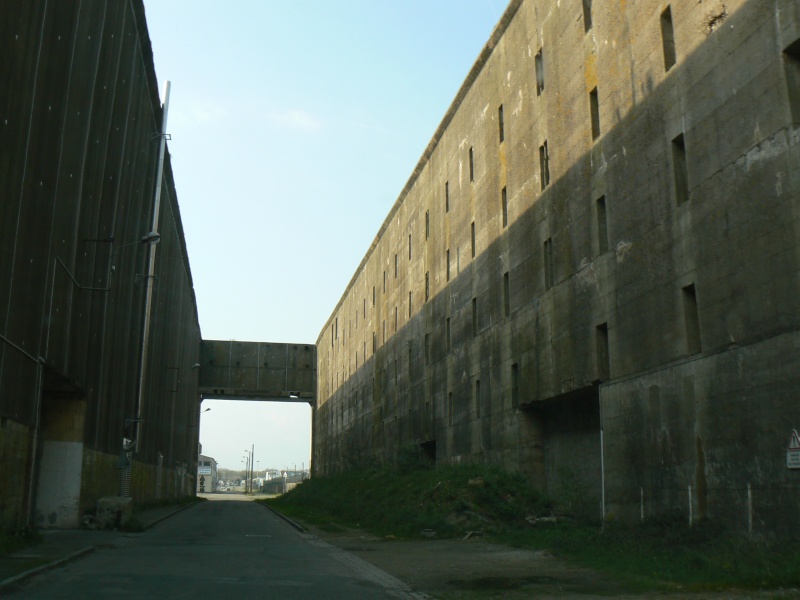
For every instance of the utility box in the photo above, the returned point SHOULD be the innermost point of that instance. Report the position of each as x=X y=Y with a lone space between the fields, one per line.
x=113 y=512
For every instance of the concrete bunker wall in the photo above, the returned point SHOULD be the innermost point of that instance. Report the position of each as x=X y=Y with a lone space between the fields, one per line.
x=601 y=206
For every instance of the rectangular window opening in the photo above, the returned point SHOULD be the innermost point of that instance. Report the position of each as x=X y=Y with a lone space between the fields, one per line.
x=544 y=165
x=603 y=365
x=594 y=109
x=602 y=226
x=395 y=266
x=395 y=319
x=692 y=320
x=668 y=39
x=587 y=15
x=409 y=246
x=427 y=224
x=409 y=304
x=679 y=169
x=506 y=295
x=446 y=196
x=539 y=63
x=791 y=60
x=514 y=385
x=471 y=165
x=447 y=258
x=472 y=231
x=384 y=282
x=500 y=124
x=548 y=263
x=427 y=285
x=504 y=206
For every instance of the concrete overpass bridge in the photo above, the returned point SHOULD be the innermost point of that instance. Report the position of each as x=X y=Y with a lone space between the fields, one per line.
x=233 y=370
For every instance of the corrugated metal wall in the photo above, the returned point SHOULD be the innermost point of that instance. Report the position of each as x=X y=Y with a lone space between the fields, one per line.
x=79 y=122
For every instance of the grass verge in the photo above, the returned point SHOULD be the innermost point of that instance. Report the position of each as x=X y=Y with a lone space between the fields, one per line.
x=448 y=499
x=661 y=554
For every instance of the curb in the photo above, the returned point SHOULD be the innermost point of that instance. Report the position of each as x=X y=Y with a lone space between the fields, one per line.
x=25 y=575
x=294 y=524
x=168 y=515
x=394 y=586
x=15 y=580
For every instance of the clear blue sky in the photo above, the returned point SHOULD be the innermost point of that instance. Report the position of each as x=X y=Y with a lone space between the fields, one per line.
x=295 y=125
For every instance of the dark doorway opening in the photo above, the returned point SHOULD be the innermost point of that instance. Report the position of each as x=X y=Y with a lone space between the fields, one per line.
x=428 y=451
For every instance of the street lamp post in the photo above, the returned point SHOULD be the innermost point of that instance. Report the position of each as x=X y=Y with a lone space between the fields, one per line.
x=246 y=457
x=252 y=464
x=248 y=472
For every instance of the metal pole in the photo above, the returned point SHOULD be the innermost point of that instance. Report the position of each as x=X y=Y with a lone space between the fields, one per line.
x=33 y=480
x=148 y=282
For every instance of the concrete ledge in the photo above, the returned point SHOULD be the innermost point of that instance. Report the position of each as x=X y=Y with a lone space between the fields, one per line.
x=294 y=524
x=16 y=580
x=159 y=516
x=158 y=520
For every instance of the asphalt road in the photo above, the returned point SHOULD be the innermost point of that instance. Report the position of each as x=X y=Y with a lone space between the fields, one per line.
x=223 y=548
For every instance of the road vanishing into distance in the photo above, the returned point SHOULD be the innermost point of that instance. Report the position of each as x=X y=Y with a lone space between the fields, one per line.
x=228 y=547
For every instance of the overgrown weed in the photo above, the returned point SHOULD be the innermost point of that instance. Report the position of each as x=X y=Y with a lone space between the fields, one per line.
x=664 y=553
x=402 y=502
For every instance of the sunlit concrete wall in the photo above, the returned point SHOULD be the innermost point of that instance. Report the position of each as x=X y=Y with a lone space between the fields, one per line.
x=80 y=118
x=592 y=274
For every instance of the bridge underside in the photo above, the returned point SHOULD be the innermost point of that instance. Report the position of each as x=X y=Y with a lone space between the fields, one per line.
x=261 y=371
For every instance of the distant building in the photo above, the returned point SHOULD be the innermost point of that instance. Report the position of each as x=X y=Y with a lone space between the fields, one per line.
x=206 y=474
x=271 y=474
x=281 y=482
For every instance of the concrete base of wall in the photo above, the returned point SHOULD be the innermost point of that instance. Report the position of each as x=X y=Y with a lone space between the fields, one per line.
x=58 y=490
x=695 y=437
x=15 y=444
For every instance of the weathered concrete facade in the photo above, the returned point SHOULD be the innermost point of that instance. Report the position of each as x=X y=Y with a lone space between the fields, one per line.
x=80 y=119
x=592 y=274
